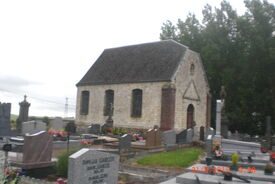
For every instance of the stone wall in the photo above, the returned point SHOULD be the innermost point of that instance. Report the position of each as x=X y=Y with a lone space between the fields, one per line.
x=191 y=89
x=151 y=105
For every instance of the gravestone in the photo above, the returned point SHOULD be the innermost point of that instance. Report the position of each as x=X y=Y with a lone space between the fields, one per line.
x=125 y=142
x=5 y=128
x=169 y=137
x=37 y=151
x=94 y=129
x=181 y=137
x=70 y=127
x=202 y=133
x=33 y=127
x=209 y=131
x=23 y=114
x=189 y=135
x=57 y=124
x=153 y=138
x=89 y=166
x=195 y=136
x=209 y=143
x=219 y=108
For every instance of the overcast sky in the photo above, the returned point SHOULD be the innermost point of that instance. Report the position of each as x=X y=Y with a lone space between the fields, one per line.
x=47 y=46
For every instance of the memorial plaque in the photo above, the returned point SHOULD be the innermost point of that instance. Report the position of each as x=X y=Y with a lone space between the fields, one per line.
x=89 y=166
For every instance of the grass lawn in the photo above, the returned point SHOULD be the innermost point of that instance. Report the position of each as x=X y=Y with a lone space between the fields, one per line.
x=179 y=158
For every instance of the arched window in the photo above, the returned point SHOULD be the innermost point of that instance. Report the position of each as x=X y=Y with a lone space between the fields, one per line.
x=84 y=104
x=136 y=109
x=192 y=69
x=109 y=102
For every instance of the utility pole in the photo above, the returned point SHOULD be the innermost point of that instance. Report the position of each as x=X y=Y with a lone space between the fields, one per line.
x=66 y=108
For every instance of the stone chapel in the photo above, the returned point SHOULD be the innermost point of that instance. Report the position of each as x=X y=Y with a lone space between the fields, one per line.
x=160 y=83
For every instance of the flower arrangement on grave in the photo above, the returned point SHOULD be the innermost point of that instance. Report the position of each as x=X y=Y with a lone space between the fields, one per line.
x=119 y=131
x=137 y=137
x=268 y=170
x=272 y=157
x=61 y=181
x=216 y=149
x=86 y=143
x=234 y=162
x=58 y=134
x=12 y=176
x=263 y=150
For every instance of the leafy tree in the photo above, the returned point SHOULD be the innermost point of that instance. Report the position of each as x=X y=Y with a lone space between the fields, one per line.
x=239 y=53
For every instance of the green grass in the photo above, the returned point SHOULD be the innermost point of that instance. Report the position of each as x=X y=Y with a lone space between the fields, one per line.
x=179 y=158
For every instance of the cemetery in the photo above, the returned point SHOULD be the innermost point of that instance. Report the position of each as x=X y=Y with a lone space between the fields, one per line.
x=108 y=154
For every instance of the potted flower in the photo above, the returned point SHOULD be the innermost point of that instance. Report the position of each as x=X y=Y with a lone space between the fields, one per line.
x=268 y=170
x=11 y=176
x=216 y=150
x=234 y=164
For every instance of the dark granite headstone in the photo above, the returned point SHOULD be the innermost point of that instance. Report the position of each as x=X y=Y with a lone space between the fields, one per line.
x=89 y=166
x=181 y=137
x=5 y=128
x=125 y=142
x=202 y=133
x=169 y=137
x=94 y=129
x=70 y=127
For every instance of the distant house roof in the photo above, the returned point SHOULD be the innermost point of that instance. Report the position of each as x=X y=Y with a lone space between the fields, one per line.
x=149 y=62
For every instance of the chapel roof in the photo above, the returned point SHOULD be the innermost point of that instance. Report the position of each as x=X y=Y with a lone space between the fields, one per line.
x=148 y=62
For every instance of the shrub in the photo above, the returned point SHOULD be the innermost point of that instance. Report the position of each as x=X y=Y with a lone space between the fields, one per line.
x=62 y=163
x=235 y=158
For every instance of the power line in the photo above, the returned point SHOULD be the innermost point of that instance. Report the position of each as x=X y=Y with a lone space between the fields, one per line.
x=70 y=106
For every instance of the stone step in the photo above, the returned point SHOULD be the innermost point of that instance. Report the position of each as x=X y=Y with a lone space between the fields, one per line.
x=190 y=178
x=240 y=164
x=258 y=175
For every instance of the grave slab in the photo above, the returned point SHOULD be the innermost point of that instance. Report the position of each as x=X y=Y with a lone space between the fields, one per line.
x=190 y=178
x=258 y=175
x=89 y=166
x=241 y=164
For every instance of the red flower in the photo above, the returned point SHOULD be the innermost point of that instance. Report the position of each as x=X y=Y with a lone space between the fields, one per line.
x=263 y=150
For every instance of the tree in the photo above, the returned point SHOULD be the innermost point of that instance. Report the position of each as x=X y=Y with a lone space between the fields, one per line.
x=239 y=53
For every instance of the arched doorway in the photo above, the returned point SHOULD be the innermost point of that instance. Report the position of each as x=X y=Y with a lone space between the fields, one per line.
x=190 y=115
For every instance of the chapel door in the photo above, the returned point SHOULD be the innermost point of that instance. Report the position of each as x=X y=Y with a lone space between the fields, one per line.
x=190 y=116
